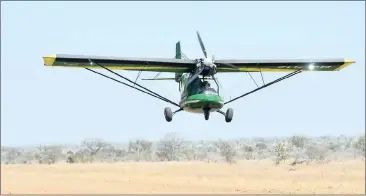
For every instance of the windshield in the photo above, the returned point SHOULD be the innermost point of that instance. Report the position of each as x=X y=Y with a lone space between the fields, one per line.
x=199 y=87
x=208 y=91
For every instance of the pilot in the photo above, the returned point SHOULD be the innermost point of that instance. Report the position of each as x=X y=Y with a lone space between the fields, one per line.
x=206 y=84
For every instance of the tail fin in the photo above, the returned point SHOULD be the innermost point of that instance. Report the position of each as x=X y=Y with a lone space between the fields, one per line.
x=178 y=55
x=178 y=51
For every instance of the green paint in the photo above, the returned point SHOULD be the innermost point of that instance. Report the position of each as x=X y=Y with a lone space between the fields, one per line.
x=195 y=103
x=197 y=96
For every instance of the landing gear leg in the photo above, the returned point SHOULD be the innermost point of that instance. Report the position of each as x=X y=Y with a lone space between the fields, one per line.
x=228 y=115
x=169 y=114
x=206 y=112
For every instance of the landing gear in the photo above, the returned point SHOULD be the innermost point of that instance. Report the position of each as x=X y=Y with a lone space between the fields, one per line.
x=228 y=115
x=168 y=114
x=206 y=112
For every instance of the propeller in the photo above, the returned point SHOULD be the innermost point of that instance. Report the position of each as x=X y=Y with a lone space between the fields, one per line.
x=201 y=44
x=229 y=65
x=196 y=74
x=206 y=62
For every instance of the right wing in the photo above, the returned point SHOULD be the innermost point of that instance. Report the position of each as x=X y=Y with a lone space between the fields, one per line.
x=283 y=65
x=118 y=63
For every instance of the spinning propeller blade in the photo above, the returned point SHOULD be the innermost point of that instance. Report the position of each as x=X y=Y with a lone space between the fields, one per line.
x=213 y=57
x=200 y=66
x=229 y=65
x=201 y=44
x=195 y=75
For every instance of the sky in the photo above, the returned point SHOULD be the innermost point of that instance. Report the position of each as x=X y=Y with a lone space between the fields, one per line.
x=42 y=105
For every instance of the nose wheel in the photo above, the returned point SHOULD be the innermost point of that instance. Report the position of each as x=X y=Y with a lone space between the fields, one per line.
x=206 y=113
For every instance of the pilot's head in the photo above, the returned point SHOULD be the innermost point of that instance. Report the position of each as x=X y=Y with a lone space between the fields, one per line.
x=206 y=84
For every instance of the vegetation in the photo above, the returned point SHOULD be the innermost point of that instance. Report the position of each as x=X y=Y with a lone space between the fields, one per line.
x=172 y=147
x=281 y=154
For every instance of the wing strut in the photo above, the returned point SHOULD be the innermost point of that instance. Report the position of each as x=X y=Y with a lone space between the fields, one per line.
x=138 y=75
x=149 y=92
x=253 y=79
x=261 y=74
x=266 y=85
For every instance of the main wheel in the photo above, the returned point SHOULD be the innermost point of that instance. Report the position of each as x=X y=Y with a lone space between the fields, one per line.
x=168 y=114
x=229 y=115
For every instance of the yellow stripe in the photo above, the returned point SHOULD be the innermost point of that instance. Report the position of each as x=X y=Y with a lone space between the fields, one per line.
x=49 y=60
x=243 y=69
x=158 y=68
x=346 y=63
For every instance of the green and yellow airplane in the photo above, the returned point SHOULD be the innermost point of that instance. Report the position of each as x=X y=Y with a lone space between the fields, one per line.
x=197 y=95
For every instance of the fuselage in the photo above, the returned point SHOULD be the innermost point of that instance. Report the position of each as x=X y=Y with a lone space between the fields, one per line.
x=198 y=96
x=198 y=102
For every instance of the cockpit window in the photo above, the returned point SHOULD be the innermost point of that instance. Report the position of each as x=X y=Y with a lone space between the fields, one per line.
x=209 y=91
x=199 y=87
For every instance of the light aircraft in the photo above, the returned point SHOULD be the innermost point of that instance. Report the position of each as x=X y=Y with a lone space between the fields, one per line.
x=197 y=95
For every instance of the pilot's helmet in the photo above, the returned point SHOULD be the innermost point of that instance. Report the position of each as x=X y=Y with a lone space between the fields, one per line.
x=206 y=83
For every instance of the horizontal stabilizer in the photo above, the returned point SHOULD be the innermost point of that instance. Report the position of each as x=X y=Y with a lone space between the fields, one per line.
x=158 y=79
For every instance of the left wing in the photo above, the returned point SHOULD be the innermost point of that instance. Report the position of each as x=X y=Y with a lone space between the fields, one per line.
x=118 y=63
x=283 y=65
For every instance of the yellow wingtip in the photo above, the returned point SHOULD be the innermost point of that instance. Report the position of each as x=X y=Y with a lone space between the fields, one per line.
x=346 y=63
x=349 y=61
x=49 y=60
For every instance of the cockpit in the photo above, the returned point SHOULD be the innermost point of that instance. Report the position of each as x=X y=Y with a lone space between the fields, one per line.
x=207 y=89
x=199 y=87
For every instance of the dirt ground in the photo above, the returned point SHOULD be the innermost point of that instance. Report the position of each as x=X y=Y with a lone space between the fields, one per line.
x=185 y=177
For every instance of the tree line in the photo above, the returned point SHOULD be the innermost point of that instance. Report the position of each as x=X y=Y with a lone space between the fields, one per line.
x=172 y=147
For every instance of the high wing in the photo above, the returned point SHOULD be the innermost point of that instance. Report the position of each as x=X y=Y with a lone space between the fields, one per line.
x=283 y=65
x=118 y=63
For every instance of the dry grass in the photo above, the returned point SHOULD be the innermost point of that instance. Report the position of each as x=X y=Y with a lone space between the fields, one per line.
x=185 y=177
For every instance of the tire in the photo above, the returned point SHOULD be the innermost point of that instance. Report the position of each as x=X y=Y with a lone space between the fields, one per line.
x=207 y=116
x=229 y=115
x=206 y=113
x=168 y=114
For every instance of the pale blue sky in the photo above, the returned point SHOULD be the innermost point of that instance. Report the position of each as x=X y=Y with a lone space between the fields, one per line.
x=46 y=105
